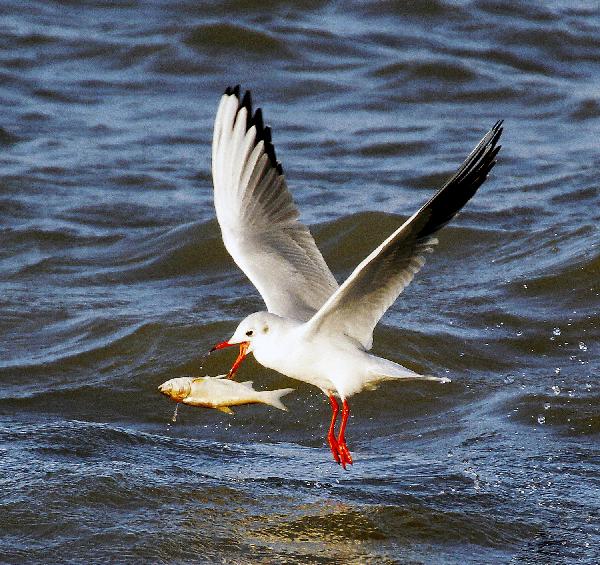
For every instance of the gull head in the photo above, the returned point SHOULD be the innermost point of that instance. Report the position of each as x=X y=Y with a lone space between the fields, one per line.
x=255 y=328
x=251 y=332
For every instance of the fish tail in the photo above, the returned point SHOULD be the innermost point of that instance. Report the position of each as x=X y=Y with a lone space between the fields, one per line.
x=273 y=397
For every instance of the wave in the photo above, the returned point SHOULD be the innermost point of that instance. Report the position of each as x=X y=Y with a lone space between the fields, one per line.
x=225 y=37
x=562 y=410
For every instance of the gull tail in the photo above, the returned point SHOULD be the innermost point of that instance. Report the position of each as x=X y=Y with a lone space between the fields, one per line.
x=386 y=370
x=273 y=397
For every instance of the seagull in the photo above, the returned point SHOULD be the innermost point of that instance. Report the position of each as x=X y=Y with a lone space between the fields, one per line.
x=315 y=330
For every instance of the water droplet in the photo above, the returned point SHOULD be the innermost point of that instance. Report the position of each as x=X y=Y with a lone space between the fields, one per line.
x=541 y=419
x=519 y=333
x=557 y=370
x=509 y=380
x=582 y=346
x=556 y=389
x=174 y=418
x=556 y=331
x=546 y=406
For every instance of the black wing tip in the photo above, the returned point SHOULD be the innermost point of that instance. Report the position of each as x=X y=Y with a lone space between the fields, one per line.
x=233 y=90
x=269 y=148
x=247 y=102
x=497 y=130
x=257 y=121
x=450 y=199
x=492 y=147
x=263 y=133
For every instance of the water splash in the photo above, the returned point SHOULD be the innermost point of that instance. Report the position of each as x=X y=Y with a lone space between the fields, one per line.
x=202 y=361
x=174 y=417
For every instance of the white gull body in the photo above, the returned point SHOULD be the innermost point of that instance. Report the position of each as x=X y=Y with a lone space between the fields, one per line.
x=315 y=330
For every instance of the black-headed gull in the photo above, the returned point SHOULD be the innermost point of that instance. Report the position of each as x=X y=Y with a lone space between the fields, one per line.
x=315 y=330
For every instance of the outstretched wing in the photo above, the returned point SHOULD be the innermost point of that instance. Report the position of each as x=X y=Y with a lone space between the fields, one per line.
x=356 y=307
x=258 y=218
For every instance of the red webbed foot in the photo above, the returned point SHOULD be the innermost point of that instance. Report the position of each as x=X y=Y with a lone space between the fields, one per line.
x=344 y=455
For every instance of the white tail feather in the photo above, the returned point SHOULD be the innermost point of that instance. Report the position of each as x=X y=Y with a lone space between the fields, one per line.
x=383 y=369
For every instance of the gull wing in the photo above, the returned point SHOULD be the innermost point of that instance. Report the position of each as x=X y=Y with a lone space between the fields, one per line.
x=258 y=218
x=356 y=307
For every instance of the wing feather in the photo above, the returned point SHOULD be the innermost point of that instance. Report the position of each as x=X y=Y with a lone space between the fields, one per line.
x=258 y=218
x=356 y=307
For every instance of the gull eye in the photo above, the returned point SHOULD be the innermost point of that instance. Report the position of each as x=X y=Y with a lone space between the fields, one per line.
x=249 y=333
x=265 y=329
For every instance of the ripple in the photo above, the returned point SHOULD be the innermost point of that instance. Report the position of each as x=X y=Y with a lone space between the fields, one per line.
x=443 y=71
x=7 y=138
x=588 y=109
x=335 y=527
x=235 y=38
x=58 y=96
x=120 y=214
x=53 y=238
x=393 y=149
x=436 y=9
x=72 y=348
x=569 y=413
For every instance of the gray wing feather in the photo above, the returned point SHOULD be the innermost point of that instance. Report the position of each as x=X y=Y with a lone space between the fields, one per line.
x=356 y=307
x=258 y=218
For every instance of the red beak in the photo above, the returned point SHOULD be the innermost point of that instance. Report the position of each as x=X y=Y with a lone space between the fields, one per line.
x=242 y=355
x=222 y=345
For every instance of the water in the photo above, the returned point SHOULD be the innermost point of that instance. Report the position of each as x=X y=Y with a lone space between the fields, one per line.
x=113 y=279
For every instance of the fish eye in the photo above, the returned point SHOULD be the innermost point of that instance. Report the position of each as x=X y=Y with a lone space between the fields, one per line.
x=249 y=333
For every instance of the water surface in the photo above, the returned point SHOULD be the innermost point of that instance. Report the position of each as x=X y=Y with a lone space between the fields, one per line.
x=113 y=279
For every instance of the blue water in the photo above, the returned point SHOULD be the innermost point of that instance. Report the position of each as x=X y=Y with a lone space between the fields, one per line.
x=113 y=279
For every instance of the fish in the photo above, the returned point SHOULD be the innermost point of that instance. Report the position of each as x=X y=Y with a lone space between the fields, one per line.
x=220 y=393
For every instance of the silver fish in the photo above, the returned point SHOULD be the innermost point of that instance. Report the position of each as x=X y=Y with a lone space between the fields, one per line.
x=220 y=393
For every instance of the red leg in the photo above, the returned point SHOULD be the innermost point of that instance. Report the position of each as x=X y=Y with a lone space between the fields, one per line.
x=333 y=444
x=342 y=447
